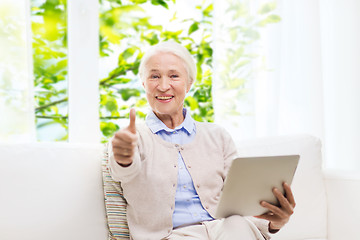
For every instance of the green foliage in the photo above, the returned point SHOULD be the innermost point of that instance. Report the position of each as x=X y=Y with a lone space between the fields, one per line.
x=127 y=29
x=129 y=25
x=124 y=24
x=238 y=63
x=50 y=63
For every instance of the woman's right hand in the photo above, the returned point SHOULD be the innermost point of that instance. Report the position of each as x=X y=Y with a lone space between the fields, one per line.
x=124 y=142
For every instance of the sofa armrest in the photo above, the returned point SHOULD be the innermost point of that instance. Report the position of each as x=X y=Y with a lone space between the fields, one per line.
x=343 y=192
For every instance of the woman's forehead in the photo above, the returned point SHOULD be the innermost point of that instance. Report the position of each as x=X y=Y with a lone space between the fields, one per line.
x=164 y=60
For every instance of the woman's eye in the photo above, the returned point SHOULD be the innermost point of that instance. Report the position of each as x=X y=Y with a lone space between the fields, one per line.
x=155 y=76
x=174 y=76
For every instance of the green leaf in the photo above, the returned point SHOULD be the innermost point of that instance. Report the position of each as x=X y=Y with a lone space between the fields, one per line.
x=160 y=2
x=111 y=104
x=194 y=27
x=141 y=102
x=207 y=11
x=115 y=81
x=138 y=1
x=152 y=38
x=120 y=70
x=108 y=128
x=269 y=19
x=171 y=35
x=129 y=52
x=127 y=93
x=192 y=103
x=267 y=7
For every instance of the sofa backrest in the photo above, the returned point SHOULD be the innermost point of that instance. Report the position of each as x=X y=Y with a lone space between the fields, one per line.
x=309 y=220
x=51 y=191
x=54 y=191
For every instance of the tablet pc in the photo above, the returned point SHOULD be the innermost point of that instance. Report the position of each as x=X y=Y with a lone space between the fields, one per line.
x=251 y=180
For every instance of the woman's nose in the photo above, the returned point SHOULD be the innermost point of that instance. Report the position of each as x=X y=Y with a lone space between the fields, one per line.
x=164 y=84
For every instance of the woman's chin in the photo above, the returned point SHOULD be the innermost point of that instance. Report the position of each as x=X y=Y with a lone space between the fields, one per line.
x=167 y=110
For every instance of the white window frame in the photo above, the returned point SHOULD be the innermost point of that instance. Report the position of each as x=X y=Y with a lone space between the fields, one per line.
x=83 y=82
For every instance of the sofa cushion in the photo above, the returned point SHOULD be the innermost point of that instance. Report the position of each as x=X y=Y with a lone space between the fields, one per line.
x=115 y=203
x=51 y=191
x=309 y=220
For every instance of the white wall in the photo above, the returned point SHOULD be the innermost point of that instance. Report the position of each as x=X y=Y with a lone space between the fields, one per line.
x=341 y=78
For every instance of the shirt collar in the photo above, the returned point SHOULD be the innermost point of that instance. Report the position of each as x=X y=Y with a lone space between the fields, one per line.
x=156 y=125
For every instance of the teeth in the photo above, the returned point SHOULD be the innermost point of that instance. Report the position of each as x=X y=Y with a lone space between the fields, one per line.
x=163 y=98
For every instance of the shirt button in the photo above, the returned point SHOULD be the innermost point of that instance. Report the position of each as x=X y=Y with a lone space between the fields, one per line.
x=189 y=166
x=174 y=185
x=184 y=186
x=182 y=148
x=174 y=165
x=198 y=186
x=207 y=207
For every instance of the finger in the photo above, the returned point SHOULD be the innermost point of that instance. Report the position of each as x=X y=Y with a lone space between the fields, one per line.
x=124 y=152
x=272 y=208
x=123 y=160
x=119 y=155
x=120 y=143
x=268 y=216
x=289 y=195
x=132 y=117
x=264 y=215
x=284 y=203
x=125 y=136
x=122 y=156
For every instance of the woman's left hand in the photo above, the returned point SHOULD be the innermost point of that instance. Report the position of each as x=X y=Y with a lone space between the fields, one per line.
x=279 y=215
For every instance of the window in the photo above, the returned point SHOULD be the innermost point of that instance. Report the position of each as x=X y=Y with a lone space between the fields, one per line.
x=50 y=57
x=126 y=29
x=314 y=47
x=16 y=106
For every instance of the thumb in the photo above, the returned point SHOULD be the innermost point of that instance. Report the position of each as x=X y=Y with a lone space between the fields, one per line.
x=132 y=116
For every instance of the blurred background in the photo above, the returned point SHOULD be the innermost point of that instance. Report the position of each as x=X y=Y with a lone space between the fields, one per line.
x=69 y=69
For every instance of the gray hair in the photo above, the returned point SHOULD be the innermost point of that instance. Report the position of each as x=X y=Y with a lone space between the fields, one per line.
x=173 y=48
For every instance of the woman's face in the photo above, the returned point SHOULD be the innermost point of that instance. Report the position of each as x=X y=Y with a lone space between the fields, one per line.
x=166 y=84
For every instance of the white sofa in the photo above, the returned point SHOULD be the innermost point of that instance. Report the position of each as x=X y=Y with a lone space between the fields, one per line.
x=54 y=191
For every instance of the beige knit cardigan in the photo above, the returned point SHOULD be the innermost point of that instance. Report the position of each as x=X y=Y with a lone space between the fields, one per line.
x=149 y=184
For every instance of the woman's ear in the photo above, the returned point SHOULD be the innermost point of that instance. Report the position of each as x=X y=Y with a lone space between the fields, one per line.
x=188 y=86
x=143 y=84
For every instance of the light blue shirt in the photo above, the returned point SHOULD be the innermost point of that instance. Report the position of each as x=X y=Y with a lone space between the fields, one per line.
x=188 y=208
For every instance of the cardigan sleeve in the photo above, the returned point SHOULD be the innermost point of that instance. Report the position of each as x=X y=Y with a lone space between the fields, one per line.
x=262 y=225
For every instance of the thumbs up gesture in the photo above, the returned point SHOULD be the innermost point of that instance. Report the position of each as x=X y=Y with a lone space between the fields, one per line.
x=124 y=142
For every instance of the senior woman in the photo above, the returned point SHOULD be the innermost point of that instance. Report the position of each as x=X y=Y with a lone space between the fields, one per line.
x=172 y=168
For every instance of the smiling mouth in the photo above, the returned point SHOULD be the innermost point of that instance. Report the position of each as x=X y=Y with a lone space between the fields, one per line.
x=164 y=97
